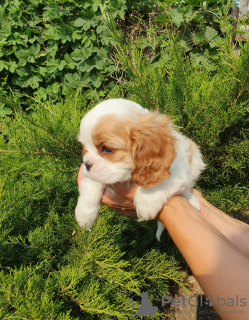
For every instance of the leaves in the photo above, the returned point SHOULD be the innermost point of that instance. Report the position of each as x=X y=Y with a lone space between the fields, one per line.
x=180 y=15
x=202 y=60
x=31 y=80
x=176 y=16
x=4 y=110
x=46 y=37
x=208 y=36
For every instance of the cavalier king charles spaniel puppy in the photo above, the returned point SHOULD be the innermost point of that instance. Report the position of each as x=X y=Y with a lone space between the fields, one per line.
x=123 y=141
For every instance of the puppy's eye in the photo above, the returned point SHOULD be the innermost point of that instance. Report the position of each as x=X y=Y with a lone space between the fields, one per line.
x=106 y=150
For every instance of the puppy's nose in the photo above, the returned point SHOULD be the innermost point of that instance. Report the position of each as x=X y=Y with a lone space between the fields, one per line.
x=88 y=165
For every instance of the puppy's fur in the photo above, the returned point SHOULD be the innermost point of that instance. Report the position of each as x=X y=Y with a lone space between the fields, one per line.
x=123 y=141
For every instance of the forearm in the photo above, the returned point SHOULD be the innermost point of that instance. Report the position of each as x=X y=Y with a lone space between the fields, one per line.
x=218 y=266
x=236 y=231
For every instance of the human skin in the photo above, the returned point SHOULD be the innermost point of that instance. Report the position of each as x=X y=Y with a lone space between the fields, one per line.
x=214 y=245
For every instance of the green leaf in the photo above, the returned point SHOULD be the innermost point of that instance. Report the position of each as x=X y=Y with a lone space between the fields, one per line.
x=95 y=79
x=86 y=65
x=1 y=14
x=101 y=28
x=189 y=15
x=25 y=71
x=4 y=110
x=183 y=44
x=210 y=33
x=79 y=22
x=76 y=35
x=162 y=18
x=177 y=16
x=199 y=18
x=199 y=38
x=53 y=33
x=64 y=35
x=29 y=81
x=52 y=66
x=3 y=65
x=35 y=49
x=86 y=24
x=12 y=66
x=211 y=36
x=200 y=60
x=53 y=11
x=23 y=57
x=95 y=5
x=52 y=48
x=73 y=80
x=42 y=71
x=54 y=88
x=72 y=77
x=70 y=63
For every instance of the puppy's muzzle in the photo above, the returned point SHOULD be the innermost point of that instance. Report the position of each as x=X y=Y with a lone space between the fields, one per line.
x=88 y=165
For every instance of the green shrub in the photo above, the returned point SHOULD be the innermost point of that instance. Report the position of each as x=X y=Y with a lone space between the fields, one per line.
x=51 y=268
x=54 y=47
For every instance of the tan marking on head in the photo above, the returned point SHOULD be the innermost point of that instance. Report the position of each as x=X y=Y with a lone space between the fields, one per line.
x=112 y=132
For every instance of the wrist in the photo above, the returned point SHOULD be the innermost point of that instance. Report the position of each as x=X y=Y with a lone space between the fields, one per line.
x=175 y=204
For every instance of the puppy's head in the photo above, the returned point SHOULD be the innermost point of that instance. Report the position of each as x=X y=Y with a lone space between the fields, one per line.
x=121 y=140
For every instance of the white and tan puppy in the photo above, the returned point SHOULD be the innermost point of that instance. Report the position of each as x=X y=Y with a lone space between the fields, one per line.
x=123 y=141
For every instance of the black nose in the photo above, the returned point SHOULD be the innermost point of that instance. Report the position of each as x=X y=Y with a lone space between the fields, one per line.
x=88 y=165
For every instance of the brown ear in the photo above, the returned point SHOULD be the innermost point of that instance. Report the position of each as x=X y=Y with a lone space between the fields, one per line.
x=152 y=148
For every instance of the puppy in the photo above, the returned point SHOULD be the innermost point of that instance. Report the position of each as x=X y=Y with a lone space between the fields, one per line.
x=123 y=141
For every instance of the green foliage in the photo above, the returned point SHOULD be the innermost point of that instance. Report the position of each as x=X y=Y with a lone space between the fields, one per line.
x=179 y=61
x=49 y=48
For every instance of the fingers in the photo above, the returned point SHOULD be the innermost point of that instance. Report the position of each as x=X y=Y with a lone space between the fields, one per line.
x=118 y=203
x=110 y=198
x=125 y=189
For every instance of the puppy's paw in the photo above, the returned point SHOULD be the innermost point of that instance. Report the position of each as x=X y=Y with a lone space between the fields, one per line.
x=87 y=209
x=85 y=216
x=193 y=200
x=147 y=205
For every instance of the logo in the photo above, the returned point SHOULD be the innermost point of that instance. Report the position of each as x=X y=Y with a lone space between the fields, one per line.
x=193 y=301
x=146 y=308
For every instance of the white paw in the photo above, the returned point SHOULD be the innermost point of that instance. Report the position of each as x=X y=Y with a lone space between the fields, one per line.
x=193 y=200
x=148 y=204
x=87 y=209
x=85 y=216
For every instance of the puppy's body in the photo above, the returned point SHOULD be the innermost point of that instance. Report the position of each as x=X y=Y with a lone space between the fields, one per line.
x=123 y=141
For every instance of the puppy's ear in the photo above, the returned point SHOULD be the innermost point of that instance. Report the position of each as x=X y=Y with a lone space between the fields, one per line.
x=152 y=148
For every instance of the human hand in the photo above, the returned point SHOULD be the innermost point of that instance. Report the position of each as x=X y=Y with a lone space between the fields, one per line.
x=119 y=197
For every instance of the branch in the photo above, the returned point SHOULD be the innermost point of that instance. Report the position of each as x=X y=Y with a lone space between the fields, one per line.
x=29 y=152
